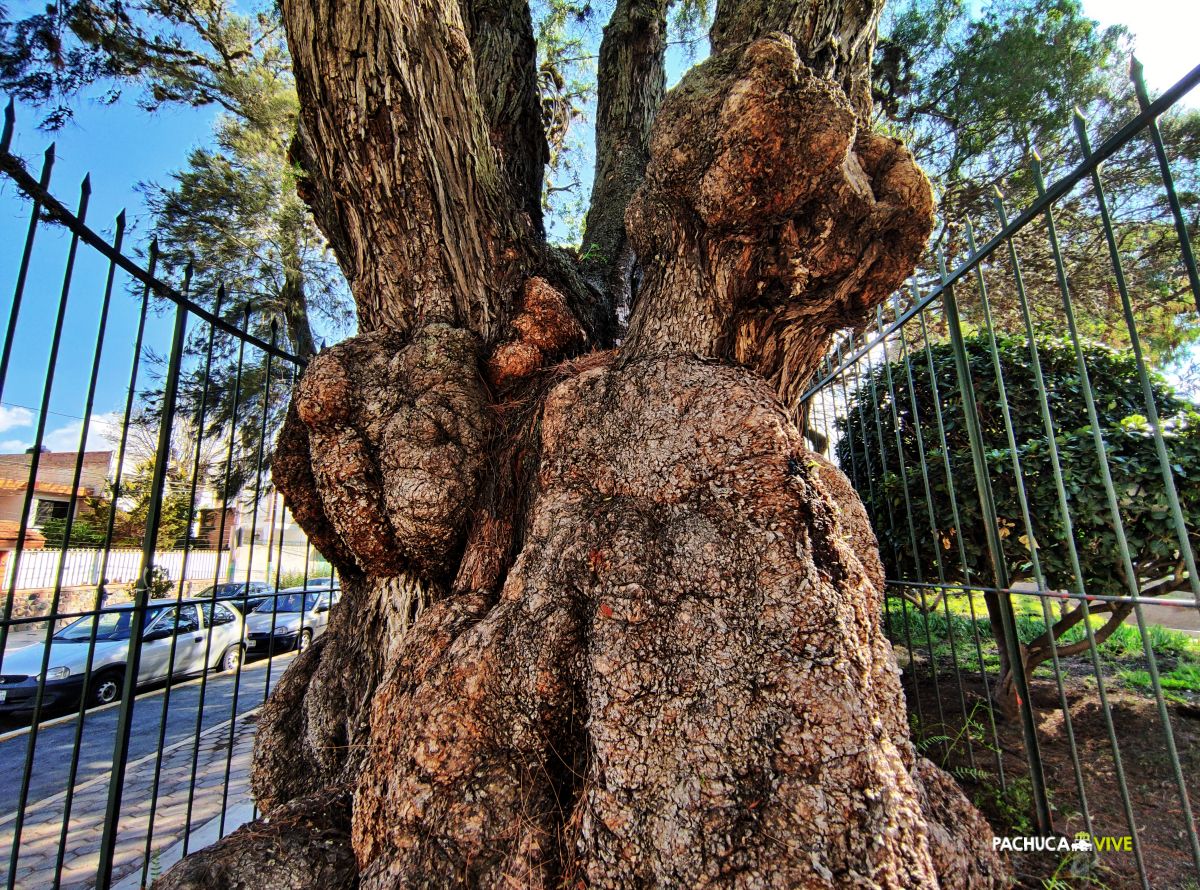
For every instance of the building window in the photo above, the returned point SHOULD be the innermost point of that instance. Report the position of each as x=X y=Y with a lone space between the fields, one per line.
x=47 y=510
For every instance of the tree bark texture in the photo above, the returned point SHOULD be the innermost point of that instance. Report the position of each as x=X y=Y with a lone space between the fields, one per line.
x=607 y=621
x=631 y=83
x=403 y=174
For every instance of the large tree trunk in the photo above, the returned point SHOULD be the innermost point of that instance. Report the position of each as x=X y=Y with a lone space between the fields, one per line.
x=607 y=621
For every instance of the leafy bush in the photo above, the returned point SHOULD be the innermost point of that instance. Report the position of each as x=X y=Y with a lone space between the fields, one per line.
x=84 y=533
x=892 y=483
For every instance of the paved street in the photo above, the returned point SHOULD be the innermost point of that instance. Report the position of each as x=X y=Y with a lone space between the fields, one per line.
x=44 y=810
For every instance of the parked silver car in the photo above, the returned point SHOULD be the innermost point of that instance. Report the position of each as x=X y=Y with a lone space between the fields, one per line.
x=183 y=626
x=246 y=595
x=291 y=619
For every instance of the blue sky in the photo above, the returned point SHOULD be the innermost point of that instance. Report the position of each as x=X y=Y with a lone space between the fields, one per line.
x=118 y=145
x=121 y=145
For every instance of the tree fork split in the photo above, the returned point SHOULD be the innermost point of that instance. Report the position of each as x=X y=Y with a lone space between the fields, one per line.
x=607 y=621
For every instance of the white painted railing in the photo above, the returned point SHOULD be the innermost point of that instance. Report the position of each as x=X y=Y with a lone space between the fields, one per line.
x=81 y=567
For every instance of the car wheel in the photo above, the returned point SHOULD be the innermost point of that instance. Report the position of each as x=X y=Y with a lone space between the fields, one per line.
x=304 y=640
x=105 y=688
x=232 y=659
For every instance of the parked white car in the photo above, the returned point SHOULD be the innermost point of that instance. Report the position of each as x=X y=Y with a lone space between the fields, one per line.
x=292 y=619
x=183 y=626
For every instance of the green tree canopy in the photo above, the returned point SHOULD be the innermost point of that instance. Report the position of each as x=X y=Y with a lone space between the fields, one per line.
x=976 y=94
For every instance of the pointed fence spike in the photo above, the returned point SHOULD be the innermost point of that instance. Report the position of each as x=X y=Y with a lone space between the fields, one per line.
x=1035 y=164
x=1138 y=75
x=998 y=203
x=1080 y=124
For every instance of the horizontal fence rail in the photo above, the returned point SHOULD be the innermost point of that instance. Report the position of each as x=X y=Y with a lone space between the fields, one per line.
x=1034 y=492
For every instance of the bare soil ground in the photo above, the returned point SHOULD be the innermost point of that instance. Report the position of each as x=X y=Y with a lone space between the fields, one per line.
x=963 y=741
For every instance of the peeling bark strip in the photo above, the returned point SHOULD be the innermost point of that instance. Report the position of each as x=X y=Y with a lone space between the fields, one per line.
x=408 y=184
x=607 y=622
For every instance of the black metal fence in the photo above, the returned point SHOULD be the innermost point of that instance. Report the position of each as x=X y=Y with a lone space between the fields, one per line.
x=113 y=767
x=1036 y=495
x=1032 y=492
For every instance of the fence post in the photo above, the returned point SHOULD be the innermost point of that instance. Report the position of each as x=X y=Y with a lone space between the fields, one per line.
x=987 y=503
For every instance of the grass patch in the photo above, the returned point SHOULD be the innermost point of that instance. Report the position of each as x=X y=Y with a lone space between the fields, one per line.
x=1184 y=676
x=947 y=634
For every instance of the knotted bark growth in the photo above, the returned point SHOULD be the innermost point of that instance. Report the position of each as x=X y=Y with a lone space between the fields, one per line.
x=769 y=218
x=681 y=683
x=608 y=623
x=395 y=436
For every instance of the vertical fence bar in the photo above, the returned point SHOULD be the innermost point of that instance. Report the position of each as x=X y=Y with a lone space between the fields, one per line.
x=1027 y=522
x=14 y=311
x=1064 y=510
x=1168 y=180
x=258 y=468
x=902 y=466
x=1115 y=511
x=961 y=548
x=166 y=699
x=112 y=816
x=1160 y=446
x=106 y=553
x=221 y=532
x=987 y=504
x=85 y=191
x=35 y=719
x=922 y=460
x=35 y=454
x=916 y=692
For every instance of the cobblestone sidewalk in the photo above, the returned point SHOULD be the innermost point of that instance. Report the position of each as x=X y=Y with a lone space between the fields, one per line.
x=43 y=819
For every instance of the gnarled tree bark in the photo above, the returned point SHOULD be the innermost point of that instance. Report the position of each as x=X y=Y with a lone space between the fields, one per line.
x=607 y=621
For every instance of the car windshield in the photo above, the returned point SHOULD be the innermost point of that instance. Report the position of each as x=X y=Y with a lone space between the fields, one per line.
x=109 y=626
x=288 y=602
x=235 y=589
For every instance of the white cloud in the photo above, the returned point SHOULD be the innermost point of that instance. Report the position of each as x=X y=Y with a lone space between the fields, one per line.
x=15 y=416
x=104 y=432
